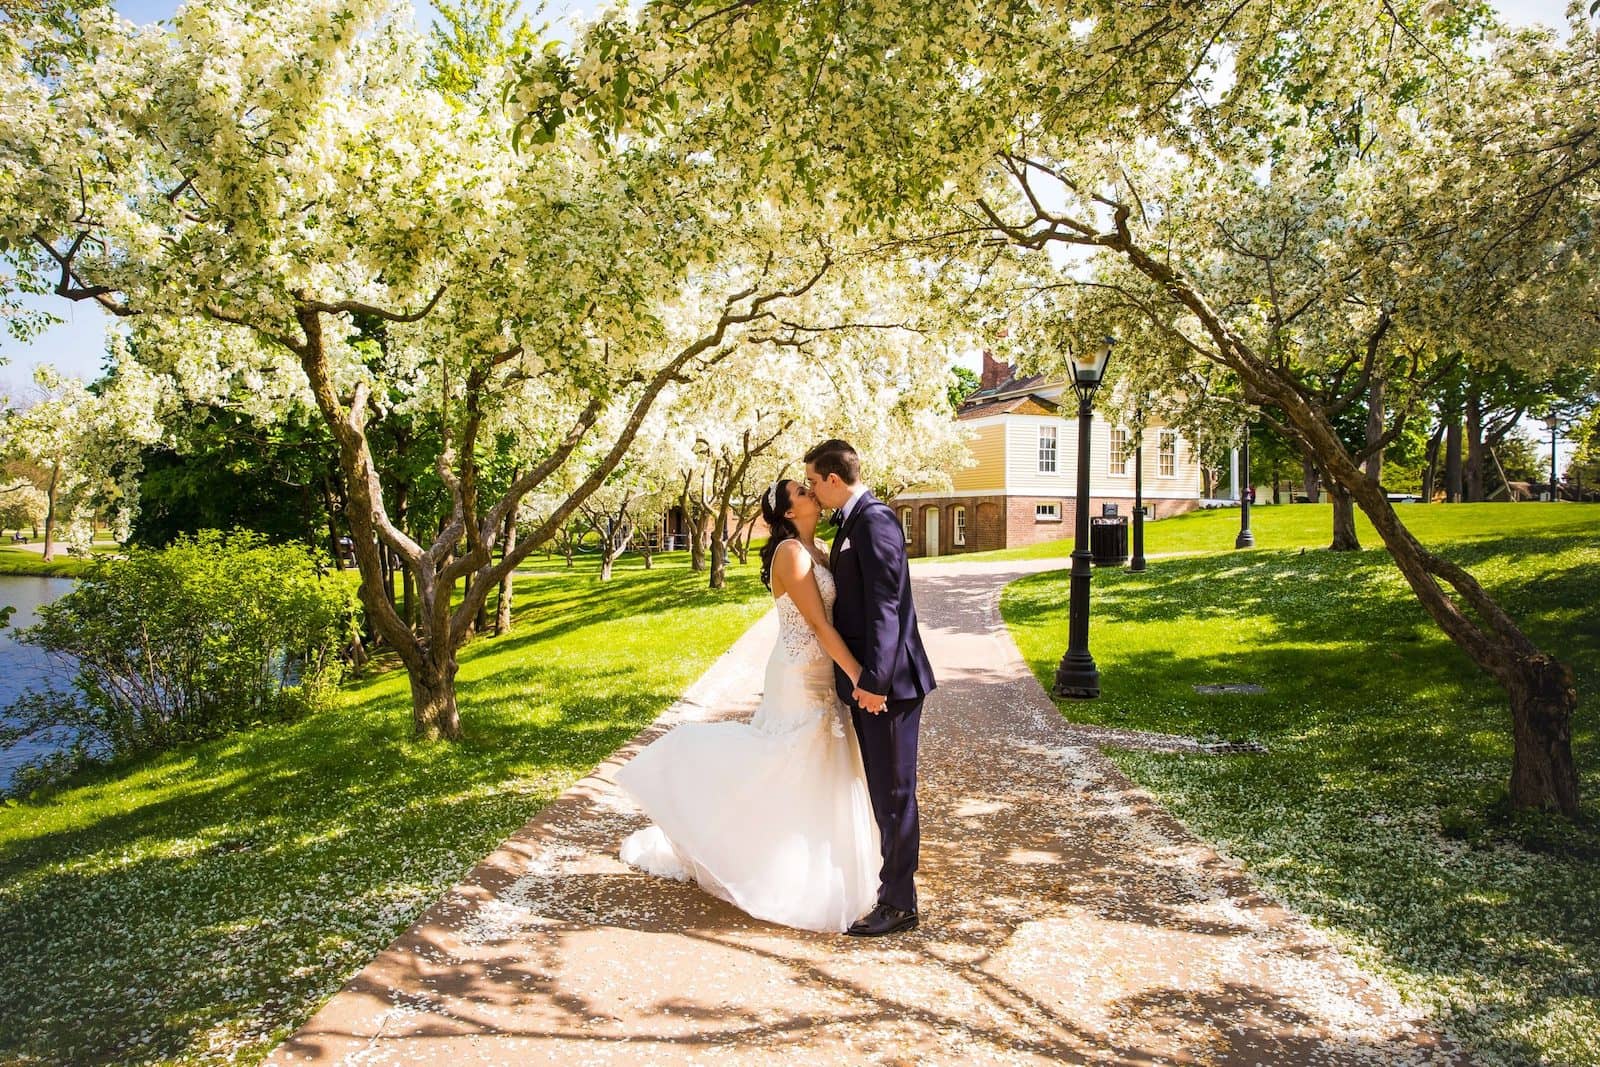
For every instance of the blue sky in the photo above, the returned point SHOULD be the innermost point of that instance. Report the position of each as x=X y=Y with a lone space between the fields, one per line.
x=76 y=345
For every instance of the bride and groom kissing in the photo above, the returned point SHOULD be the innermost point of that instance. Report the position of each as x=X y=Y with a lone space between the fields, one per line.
x=807 y=814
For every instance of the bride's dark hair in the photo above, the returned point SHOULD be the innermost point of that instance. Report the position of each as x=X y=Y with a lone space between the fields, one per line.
x=775 y=511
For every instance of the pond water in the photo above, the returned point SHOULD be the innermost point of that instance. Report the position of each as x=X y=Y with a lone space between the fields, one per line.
x=24 y=667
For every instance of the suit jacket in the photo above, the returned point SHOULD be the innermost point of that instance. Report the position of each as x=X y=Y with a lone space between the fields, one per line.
x=873 y=611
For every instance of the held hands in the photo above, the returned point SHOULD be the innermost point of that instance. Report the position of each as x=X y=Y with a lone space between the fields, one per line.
x=870 y=702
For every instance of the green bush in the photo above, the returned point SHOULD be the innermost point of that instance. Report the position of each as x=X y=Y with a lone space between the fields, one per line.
x=211 y=634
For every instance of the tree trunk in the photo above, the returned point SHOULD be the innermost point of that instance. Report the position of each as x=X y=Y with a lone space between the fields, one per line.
x=1277 y=476
x=1310 y=479
x=502 y=605
x=1344 y=521
x=1430 y=464
x=433 y=703
x=408 y=583
x=1540 y=690
x=719 y=562
x=1475 y=466
x=1542 y=697
x=1452 y=460
x=1543 y=775
x=697 y=545
x=386 y=565
x=607 y=556
x=356 y=652
x=1375 y=420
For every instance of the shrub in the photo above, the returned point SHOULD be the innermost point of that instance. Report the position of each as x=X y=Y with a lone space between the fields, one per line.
x=211 y=634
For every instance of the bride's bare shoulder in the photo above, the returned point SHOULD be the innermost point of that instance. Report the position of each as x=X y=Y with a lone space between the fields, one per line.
x=793 y=554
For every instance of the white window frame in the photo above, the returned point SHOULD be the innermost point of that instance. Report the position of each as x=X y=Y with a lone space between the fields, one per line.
x=1047 y=513
x=1117 y=455
x=959 y=521
x=1048 y=456
x=1167 y=459
x=905 y=523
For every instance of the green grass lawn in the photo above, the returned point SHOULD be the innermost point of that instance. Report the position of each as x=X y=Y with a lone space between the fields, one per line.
x=1299 y=526
x=196 y=907
x=17 y=559
x=1379 y=811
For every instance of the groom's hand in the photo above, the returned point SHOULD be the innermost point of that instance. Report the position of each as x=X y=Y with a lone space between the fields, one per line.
x=870 y=702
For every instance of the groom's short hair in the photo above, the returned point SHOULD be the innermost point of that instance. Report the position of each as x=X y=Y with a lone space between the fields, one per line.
x=834 y=456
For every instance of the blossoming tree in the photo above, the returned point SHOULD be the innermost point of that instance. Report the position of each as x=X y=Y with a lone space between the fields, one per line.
x=286 y=181
x=1449 y=194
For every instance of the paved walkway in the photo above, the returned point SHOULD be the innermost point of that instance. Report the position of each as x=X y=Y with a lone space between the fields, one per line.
x=1067 y=918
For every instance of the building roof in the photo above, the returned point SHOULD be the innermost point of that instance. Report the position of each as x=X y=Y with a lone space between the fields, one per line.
x=1013 y=386
x=1027 y=404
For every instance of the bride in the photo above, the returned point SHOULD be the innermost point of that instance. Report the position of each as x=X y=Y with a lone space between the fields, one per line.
x=771 y=815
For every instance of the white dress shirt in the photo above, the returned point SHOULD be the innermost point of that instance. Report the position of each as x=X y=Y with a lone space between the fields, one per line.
x=850 y=505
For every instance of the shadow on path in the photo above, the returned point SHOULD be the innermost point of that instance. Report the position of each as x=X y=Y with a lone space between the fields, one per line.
x=1067 y=919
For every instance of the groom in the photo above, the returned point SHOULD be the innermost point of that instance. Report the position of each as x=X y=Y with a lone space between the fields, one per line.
x=875 y=616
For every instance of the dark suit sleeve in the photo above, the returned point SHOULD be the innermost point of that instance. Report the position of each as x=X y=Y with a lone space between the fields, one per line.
x=882 y=547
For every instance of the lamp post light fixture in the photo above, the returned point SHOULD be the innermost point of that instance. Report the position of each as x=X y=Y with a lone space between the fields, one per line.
x=1553 y=424
x=1136 y=563
x=1246 y=538
x=1077 y=677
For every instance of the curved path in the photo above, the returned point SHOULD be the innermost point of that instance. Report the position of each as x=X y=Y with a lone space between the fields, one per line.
x=1067 y=918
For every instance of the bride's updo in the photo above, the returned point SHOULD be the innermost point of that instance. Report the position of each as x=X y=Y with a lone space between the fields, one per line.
x=775 y=503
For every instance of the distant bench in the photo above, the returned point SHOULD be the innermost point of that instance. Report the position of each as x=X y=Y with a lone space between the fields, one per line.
x=20 y=537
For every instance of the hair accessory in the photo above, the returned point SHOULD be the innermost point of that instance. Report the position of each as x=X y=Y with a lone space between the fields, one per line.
x=772 y=495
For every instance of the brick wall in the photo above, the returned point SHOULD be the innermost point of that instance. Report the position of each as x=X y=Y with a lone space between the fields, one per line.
x=985 y=523
x=1006 y=522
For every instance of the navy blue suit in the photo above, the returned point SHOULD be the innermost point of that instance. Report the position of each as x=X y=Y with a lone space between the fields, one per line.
x=878 y=622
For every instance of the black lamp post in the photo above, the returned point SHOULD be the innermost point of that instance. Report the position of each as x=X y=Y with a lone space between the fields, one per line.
x=1553 y=424
x=1077 y=677
x=1136 y=563
x=1246 y=539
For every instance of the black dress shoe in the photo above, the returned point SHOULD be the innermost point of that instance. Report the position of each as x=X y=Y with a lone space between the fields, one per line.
x=883 y=919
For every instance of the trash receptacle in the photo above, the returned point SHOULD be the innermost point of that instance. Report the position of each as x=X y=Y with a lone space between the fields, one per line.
x=1108 y=540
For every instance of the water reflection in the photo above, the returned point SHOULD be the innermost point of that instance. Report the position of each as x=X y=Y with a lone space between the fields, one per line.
x=24 y=667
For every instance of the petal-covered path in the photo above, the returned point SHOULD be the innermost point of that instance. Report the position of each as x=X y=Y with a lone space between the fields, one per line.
x=1067 y=918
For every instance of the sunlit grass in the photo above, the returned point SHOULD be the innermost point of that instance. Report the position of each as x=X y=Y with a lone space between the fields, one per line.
x=1277 y=526
x=1380 y=809
x=198 y=906
x=20 y=559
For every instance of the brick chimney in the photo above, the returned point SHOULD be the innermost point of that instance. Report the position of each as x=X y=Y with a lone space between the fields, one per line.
x=994 y=372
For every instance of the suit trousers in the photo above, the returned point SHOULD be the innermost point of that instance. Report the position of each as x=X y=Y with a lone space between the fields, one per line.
x=889 y=758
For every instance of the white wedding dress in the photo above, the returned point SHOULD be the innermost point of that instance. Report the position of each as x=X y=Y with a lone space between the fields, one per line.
x=771 y=815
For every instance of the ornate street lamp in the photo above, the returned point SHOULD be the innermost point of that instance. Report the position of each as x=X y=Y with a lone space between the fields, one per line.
x=1553 y=424
x=1246 y=539
x=1136 y=563
x=1077 y=677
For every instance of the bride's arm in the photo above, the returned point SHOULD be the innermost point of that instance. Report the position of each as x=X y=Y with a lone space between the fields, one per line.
x=793 y=566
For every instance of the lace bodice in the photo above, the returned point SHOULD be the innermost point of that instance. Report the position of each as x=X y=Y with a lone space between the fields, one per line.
x=795 y=636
